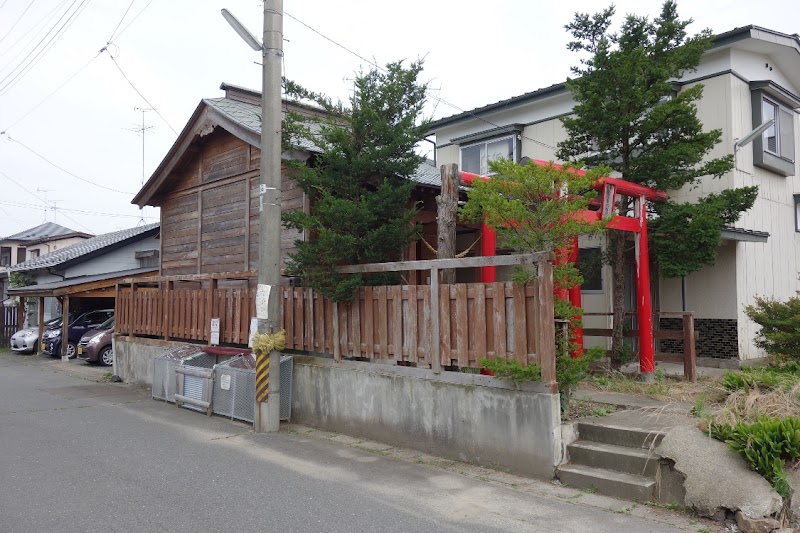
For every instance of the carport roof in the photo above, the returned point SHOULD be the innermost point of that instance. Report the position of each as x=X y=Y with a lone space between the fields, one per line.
x=87 y=286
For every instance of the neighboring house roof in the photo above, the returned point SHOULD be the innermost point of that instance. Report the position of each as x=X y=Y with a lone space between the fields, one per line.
x=68 y=286
x=238 y=112
x=730 y=233
x=49 y=231
x=720 y=40
x=85 y=250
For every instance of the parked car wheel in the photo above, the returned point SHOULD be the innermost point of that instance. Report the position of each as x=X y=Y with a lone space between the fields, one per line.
x=106 y=356
x=72 y=349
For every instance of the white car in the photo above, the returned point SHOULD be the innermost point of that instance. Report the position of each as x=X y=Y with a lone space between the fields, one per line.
x=27 y=340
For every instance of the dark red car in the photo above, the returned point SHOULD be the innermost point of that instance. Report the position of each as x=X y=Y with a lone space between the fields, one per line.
x=95 y=346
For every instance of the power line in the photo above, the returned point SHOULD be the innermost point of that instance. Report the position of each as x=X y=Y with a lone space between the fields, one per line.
x=45 y=19
x=139 y=92
x=437 y=98
x=43 y=158
x=133 y=19
x=120 y=21
x=46 y=47
x=18 y=184
x=93 y=213
x=17 y=22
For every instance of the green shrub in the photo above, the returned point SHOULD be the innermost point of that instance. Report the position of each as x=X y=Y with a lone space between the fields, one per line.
x=780 y=375
x=512 y=370
x=779 y=334
x=766 y=445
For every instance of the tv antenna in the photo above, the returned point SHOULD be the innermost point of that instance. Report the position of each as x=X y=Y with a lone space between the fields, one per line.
x=142 y=130
x=45 y=191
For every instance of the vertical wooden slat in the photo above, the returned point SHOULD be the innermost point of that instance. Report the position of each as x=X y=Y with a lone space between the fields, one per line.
x=444 y=325
x=132 y=310
x=411 y=323
x=209 y=314
x=500 y=325
x=355 y=324
x=480 y=322
x=299 y=327
x=461 y=325
x=433 y=344
x=337 y=347
x=396 y=295
x=424 y=325
x=520 y=328
x=369 y=332
x=530 y=321
x=290 y=318
x=383 y=322
x=310 y=321
x=227 y=320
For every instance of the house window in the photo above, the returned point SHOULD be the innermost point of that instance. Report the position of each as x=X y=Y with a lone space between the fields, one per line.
x=797 y=212
x=5 y=256
x=774 y=150
x=475 y=157
x=590 y=265
x=33 y=254
x=21 y=255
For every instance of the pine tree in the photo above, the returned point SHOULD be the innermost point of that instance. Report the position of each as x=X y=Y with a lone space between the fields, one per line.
x=628 y=115
x=361 y=208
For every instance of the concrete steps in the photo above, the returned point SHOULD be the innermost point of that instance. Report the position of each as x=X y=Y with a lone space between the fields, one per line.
x=613 y=455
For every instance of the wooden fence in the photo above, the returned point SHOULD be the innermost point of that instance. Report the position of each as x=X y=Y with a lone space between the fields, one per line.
x=476 y=320
x=9 y=325
x=437 y=325
x=171 y=312
x=686 y=334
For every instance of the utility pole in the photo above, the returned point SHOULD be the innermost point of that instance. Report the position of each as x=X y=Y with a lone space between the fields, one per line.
x=269 y=249
x=268 y=397
x=143 y=130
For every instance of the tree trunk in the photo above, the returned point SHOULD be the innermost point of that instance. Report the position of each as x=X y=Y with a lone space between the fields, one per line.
x=618 y=305
x=447 y=206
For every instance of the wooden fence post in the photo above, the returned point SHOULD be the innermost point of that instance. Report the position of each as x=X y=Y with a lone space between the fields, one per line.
x=436 y=362
x=337 y=346
x=446 y=209
x=212 y=288
x=689 y=354
x=132 y=321
x=546 y=326
x=21 y=313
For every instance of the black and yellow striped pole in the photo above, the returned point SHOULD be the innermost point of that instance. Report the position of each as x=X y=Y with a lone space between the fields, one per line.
x=265 y=346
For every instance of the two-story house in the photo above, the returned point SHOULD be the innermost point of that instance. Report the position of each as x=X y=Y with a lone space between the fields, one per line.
x=750 y=75
x=31 y=243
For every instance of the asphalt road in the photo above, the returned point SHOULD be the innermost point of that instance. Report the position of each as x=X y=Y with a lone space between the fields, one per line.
x=81 y=456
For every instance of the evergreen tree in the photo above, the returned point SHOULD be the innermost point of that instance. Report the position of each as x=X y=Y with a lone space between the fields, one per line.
x=361 y=209
x=627 y=114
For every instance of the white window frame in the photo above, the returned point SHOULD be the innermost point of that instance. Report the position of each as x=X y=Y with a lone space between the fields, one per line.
x=781 y=160
x=484 y=164
x=797 y=213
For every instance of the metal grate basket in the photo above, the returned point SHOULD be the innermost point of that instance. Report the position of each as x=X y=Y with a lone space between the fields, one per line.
x=164 y=365
x=235 y=388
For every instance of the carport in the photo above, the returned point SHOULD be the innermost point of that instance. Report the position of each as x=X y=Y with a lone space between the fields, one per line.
x=101 y=288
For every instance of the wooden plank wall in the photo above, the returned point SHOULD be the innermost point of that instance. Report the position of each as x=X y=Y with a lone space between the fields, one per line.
x=140 y=312
x=9 y=325
x=476 y=320
x=210 y=215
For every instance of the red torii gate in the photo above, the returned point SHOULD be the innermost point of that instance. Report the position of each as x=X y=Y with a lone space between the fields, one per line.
x=609 y=189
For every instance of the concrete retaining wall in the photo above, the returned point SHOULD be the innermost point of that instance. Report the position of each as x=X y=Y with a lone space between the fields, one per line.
x=467 y=417
x=133 y=358
x=462 y=416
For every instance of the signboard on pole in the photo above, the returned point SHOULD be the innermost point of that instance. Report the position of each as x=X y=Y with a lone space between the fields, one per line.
x=214 y=341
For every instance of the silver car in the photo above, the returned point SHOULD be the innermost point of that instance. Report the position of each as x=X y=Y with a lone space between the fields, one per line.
x=27 y=340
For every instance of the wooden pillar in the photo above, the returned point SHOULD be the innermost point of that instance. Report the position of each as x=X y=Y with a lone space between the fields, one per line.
x=546 y=325
x=64 y=328
x=689 y=354
x=21 y=313
x=41 y=324
x=446 y=209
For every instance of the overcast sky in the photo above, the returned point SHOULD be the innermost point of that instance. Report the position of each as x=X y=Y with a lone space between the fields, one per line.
x=176 y=52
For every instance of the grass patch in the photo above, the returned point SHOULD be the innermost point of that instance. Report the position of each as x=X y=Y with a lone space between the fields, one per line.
x=663 y=387
x=582 y=409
